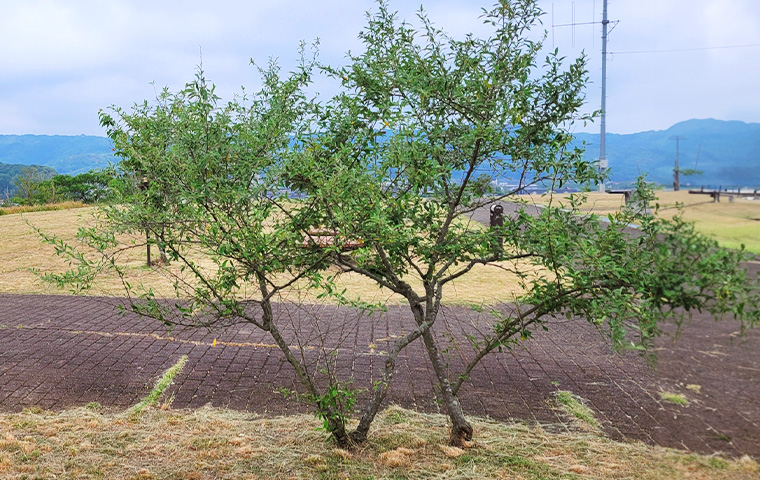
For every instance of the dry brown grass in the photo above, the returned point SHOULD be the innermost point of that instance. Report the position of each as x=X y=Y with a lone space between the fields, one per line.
x=22 y=250
x=485 y=284
x=40 y=208
x=209 y=443
x=730 y=223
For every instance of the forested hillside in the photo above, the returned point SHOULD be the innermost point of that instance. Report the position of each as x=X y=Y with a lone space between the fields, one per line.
x=728 y=153
x=9 y=173
x=66 y=154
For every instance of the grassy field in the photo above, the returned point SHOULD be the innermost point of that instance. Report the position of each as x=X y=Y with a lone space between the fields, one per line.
x=22 y=251
x=730 y=223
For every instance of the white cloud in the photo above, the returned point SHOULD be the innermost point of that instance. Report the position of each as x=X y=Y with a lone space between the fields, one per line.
x=15 y=119
x=44 y=36
x=63 y=59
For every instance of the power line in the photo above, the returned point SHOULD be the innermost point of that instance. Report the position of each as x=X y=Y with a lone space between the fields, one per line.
x=607 y=27
x=574 y=24
x=687 y=49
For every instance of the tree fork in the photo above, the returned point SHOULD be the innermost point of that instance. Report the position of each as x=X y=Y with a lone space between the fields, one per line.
x=360 y=434
x=336 y=426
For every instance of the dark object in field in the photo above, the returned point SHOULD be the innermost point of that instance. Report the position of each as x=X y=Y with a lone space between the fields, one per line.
x=325 y=237
x=497 y=222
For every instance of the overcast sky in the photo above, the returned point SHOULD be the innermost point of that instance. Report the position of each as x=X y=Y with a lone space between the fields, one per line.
x=62 y=60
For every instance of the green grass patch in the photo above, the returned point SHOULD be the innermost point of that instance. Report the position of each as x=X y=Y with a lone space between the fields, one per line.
x=677 y=398
x=161 y=385
x=573 y=405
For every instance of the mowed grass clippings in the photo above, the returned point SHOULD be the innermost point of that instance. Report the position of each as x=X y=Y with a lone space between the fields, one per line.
x=575 y=407
x=210 y=443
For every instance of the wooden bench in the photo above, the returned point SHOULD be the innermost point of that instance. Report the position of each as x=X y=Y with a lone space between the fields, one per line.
x=326 y=237
x=627 y=194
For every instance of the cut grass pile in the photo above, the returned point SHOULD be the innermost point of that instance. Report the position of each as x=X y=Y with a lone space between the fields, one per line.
x=206 y=443
x=576 y=408
x=161 y=385
x=677 y=398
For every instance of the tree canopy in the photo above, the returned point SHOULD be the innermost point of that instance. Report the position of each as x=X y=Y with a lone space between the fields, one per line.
x=243 y=194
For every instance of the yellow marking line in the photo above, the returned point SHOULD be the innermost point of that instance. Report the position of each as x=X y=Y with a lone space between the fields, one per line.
x=179 y=340
x=215 y=342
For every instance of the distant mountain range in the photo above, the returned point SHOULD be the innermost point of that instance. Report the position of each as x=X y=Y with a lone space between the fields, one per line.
x=66 y=154
x=728 y=152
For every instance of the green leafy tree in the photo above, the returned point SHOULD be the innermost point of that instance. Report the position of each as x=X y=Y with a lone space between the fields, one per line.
x=10 y=173
x=690 y=171
x=87 y=187
x=242 y=195
x=399 y=160
x=205 y=179
x=29 y=185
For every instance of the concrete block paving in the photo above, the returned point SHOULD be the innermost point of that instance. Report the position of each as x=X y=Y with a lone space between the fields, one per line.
x=60 y=351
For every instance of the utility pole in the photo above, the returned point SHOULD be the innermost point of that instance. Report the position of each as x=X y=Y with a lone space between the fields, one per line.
x=603 y=133
x=602 y=162
x=676 y=170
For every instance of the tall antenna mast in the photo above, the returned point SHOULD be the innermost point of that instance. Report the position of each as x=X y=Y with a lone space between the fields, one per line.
x=677 y=170
x=603 y=133
x=602 y=163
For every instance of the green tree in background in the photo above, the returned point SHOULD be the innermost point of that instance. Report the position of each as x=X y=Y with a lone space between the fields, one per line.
x=29 y=187
x=38 y=185
x=88 y=187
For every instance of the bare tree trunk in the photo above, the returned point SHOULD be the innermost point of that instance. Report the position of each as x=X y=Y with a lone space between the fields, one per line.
x=461 y=430
x=336 y=426
x=359 y=435
x=161 y=252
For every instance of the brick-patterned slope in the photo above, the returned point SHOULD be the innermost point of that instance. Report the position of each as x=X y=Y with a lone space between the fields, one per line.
x=59 y=351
